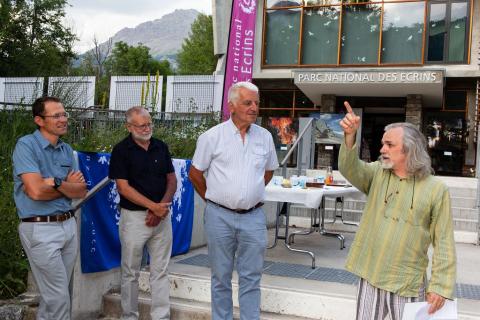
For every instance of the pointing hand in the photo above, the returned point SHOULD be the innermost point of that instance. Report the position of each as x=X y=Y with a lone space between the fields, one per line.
x=351 y=122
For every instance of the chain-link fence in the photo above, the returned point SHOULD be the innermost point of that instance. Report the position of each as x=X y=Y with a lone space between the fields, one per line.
x=97 y=130
x=194 y=93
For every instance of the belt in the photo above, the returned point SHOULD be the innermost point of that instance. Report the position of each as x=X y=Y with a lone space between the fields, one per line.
x=239 y=211
x=54 y=218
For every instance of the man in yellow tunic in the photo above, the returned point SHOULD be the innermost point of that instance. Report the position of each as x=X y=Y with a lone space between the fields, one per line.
x=407 y=209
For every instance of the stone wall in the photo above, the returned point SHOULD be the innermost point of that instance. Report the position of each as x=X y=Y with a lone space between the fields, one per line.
x=413 y=110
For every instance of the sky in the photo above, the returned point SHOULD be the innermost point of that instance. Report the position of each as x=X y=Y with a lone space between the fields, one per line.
x=103 y=18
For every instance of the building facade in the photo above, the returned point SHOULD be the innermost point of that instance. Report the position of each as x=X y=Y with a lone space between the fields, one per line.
x=393 y=60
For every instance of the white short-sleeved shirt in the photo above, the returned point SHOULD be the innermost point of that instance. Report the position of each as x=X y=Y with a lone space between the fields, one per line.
x=235 y=169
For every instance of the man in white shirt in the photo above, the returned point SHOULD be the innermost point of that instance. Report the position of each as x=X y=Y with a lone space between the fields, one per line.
x=238 y=159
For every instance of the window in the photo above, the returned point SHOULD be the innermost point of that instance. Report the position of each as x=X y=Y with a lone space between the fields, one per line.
x=282 y=35
x=320 y=35
x=283 y=3
x=402 y=34
x=287 y=101
x=276 y=99
x=360 y=34
x=458 y=32
x=455 y=100
x=447 y=31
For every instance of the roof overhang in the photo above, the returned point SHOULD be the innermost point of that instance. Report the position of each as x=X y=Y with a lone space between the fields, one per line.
x=372 y=83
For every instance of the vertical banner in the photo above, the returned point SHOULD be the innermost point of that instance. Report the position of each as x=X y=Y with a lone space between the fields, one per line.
x=240 y=48
x=182 y=208
x=99 y=240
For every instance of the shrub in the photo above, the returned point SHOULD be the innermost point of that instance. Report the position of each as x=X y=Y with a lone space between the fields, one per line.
x=84 y=135
x=13 y=263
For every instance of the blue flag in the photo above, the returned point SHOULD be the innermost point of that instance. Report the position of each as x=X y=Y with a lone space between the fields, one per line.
x=99 y=239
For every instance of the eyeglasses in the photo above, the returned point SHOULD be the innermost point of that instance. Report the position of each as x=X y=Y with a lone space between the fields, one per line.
x=143 y=126
x=57 y=116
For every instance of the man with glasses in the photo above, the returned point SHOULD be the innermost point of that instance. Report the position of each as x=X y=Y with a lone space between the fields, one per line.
x=407 y=209
x=46 y=179
x=143 y=171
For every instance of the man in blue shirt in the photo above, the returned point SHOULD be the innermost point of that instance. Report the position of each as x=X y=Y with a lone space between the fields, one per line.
x=45 y=180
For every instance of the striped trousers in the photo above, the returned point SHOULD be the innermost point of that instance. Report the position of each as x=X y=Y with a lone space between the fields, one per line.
x=377 y=304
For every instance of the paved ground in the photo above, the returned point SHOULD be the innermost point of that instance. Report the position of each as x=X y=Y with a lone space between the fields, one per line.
x=330 y=260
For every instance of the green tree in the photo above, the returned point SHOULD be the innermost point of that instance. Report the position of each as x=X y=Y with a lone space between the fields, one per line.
x=196 y=55
x=33 y=40
x=130 y=60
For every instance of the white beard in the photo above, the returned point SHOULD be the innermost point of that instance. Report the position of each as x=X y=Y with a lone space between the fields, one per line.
x=142 y=137
x=386 y=165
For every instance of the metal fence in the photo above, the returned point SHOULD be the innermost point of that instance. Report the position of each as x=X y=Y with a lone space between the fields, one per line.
x=194 y=93
x=20 y=89
x=76 y=92
x=84 y=121
x=128 y=91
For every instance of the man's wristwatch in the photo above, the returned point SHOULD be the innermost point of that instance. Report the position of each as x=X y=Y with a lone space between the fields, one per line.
x=57 y=182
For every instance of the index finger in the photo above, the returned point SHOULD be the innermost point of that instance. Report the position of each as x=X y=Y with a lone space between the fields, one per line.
x=349 y=108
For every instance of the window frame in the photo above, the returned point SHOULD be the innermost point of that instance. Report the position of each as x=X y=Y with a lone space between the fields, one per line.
x=378 y=63
x=448 y=16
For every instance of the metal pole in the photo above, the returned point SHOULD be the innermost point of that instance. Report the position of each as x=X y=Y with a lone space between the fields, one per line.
x=477 y=167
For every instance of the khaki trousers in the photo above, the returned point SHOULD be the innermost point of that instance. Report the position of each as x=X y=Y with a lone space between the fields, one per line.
x=134 y=235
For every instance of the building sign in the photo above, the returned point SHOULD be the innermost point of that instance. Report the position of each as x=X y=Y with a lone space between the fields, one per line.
x=370 y=77
x=239 y=63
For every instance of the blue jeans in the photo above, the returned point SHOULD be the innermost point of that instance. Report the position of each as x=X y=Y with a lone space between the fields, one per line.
x=246 y=235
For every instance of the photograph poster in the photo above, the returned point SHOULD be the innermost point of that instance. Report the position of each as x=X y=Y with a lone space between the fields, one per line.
x=328 y=129
x=284 y=131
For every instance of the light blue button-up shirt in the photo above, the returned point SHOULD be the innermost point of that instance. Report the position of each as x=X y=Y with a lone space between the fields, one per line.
x=234 y=168
x=34 y=154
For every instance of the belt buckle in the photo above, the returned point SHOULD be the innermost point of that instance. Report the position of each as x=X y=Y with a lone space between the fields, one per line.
x=64 y=216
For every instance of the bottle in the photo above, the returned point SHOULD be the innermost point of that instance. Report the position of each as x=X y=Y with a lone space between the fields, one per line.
x=329 y=176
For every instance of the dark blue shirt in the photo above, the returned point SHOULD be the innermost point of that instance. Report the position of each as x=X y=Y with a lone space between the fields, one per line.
x=34 y=154
x=145 y=170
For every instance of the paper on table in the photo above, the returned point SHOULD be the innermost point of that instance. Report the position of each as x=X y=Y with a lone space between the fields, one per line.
x=419 y=311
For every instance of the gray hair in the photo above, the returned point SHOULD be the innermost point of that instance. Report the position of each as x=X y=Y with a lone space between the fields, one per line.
x=418 y=163
x=135 y=110
x=233 y=91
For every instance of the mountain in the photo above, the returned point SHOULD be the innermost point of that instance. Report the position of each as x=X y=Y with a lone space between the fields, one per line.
x=163 y=36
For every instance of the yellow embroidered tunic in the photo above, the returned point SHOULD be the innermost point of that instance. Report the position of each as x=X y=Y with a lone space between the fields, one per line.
x=402 y=217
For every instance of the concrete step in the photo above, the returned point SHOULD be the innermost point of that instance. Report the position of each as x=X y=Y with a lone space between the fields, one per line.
x=464 y=202
x=465 y=219
x=290 y=298
x=463 y=208
x=465 y=230
x=459 y=192
x=282 y=297
x=465 y=224
x=465 y=213
x=180 y=309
